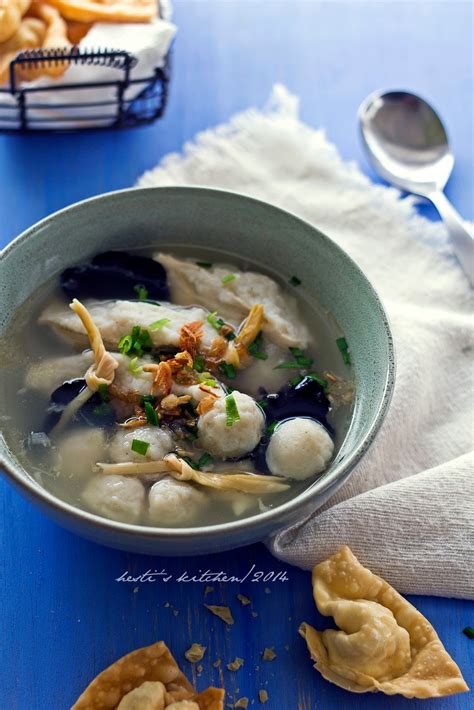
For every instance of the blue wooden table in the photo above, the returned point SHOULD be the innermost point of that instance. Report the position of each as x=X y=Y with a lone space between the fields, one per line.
x=63 y=615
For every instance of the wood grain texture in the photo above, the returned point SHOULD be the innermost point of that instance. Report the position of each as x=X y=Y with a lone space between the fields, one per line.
x=63 y=617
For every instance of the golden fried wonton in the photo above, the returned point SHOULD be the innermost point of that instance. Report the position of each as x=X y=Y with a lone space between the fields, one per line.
x=29 y=35
x=76 y=31
x=11 y=12
x=107 y=10
x=384 y=643
x=41 y=28
x=153 y=664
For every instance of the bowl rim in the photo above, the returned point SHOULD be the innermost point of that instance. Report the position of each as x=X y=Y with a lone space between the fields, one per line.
x=335 y=478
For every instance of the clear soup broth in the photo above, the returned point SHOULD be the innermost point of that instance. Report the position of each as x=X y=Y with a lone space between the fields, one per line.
x=186 y=388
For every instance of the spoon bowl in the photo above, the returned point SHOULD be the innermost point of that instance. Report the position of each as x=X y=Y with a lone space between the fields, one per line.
x=406 y=140
x=407 y=143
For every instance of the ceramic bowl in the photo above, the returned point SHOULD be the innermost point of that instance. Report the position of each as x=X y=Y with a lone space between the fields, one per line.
x=243 y=226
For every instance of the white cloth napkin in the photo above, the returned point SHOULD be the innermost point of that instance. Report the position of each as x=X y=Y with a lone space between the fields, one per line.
x=148 y=42
x=407 y=511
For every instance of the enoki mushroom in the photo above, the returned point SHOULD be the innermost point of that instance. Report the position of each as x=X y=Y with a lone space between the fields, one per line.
x=243 y=481
x=248 y=331
x=101 y=372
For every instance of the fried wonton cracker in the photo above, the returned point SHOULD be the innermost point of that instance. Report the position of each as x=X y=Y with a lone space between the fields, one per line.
x=107 y=10
x=29 y=35
x=55 y=38
x=383 y=644
x=154 y=664
x=11 y=12
x=76 y=31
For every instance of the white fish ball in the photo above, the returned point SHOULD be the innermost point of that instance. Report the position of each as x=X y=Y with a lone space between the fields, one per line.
x=79 y=450
x=116 y=497
x=236 y=440
x=299 y=448
x=172 y=502
x=160 y=440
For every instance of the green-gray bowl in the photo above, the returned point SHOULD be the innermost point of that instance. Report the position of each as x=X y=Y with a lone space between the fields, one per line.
x=253 y=230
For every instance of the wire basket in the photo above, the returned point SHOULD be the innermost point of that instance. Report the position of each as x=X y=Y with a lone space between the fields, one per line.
x=132 y=102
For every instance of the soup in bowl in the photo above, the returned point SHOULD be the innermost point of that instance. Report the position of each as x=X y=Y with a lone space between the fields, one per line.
x=186 y=370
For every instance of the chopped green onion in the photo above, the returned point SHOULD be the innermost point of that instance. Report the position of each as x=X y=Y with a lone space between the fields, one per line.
x=148 y=398
x=102 y=410
x=262 y=403
x=158 y=324
x=344 y=350
x=300 y=361
x=103 y=391
x=140 y=447
x=207 y=379
x=304 y=361
x=324 y=383
x=145 y=340
x=469 y=632
x=295 y=281
x=151 y=415
x=125 y=344
x=204 y=264
x=138 y=342
x=133 y=368
x=199 y=363
x=215 y=321
x=255 y=350
x=227 y=370
x=231 y=410
x=141 y=292
x=290 y=365
x=227 y=279
x=271 y=428
x=296 y=380
x=204 y=460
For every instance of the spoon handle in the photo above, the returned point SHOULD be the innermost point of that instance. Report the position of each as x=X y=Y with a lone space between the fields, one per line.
x=462 y=241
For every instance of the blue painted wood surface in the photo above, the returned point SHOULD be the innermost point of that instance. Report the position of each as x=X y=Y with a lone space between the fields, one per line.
x=63 y=617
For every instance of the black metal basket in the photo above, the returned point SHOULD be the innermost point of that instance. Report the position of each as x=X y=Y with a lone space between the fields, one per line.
x=134 y=102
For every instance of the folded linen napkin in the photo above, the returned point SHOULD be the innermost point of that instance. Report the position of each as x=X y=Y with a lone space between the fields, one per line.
x=407 y=511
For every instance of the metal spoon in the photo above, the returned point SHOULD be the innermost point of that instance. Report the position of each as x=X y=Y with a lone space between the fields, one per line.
x=408 y=145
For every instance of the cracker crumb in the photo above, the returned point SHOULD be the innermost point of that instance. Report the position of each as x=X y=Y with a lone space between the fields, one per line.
x=175 y=612
x=263 y=696
x=242 y=703
x=195 y=653
x=223 y=612
x=245 y=601
x=254 y=614
x=269 y=654
x=267 y=590
x=199 y=668
x=217 y=663
x=135 y=590
x=208 y=590
x=166 y=604
x=287 y=647
x=235 y=664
